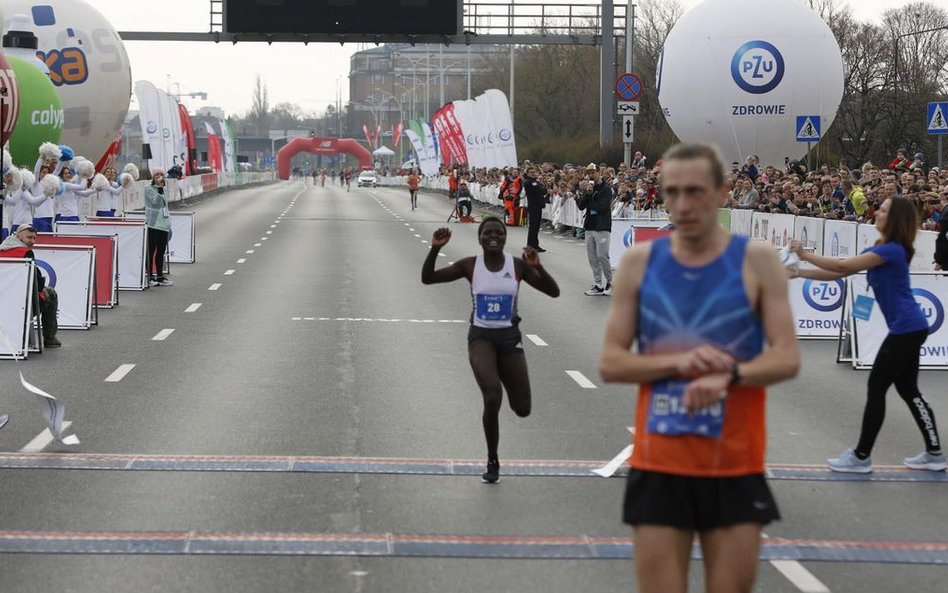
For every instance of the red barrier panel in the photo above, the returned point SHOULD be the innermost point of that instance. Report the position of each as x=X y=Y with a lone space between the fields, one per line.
x=209 y=182
x=106 y=263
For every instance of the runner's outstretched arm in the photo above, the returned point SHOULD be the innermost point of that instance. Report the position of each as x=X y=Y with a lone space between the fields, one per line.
x=534 y=274
x=460 y=269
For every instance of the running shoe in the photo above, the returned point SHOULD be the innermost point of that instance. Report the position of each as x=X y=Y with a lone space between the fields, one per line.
x=492 y=475
x=3 y=420
x=608 y=290
x=594 y=291
x=165 y=282
x=848 y=463
x=925 y=460
x=541 y=250
x=152 y=282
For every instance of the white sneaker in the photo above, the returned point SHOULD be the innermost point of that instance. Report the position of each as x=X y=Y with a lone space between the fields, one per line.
x=165 y=282
x=608 y=290
x=594 y=291
x=926 y=461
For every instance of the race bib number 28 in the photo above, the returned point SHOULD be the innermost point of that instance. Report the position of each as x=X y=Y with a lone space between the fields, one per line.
x=667 y=414
x=495 y=307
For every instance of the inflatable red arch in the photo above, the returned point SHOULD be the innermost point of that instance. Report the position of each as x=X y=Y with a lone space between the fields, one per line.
x=284 y=156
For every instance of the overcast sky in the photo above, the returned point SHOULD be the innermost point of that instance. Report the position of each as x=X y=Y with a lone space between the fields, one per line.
x=307 y=76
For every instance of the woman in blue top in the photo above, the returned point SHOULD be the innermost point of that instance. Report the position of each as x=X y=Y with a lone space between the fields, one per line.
x=887 y=263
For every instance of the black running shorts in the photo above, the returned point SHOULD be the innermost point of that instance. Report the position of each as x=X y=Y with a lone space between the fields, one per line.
x=698 y=504
x=506 y=340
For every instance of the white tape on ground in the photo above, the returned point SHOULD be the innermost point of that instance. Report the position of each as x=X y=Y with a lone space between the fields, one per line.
x=801 y=578
x=536 y=340
x=119 y=373
x=581 y=380
x=162 y=335
x=194 y=307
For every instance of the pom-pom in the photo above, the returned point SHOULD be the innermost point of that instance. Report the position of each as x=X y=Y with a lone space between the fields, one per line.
x=28 y=179
x=100 y=183
x=50 y=185
x=132 y=170
x=15 y=183
x=126 y=180
x=7 y=162
x=85 y=169
x=50 y=152
x=66 y=152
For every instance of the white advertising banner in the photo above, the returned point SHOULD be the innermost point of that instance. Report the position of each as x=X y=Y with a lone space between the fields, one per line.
x=16 y=306
x=866 y=237
x=71 y=271
x=839 y=238
x=230 y=155
x=931 y=293
x=742 y=222
x=760 y=230
x=181 y=239
x=817 y=307
x=502 y=133
x=132 y=240
x=809 y=231
x=150 y=114
x=623 y=235
x=924 y=260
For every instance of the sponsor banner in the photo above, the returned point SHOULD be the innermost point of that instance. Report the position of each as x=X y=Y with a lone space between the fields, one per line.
x=924 y=260
x=839 y=238
x=817 y=307
x=181 y=241
x=209 y=182
x=741 y=222
x=106 y=262
x=866 y=237
x=776 y=229
x=16 y=290
x=761 y=226
x=229 y=154
x=931 y=294
x=724 y=219
x=131 y=247
x=809 y=231
x=70 y=270
x=626 y=231
x=505 y=145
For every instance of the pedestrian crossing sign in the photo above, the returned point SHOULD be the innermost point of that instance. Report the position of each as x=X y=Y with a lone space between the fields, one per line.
x=808 y=128
x=938 y=118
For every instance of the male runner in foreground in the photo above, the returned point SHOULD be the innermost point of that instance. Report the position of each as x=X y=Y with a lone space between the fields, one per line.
x=699 y=303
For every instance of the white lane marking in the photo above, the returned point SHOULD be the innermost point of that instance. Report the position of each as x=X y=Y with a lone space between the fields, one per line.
x=581 y=379
x=194 y=307
x=258 y=244
x=411 y=229
x=214 y=286
x=801 y=578
x=229 y=272
x=536 y=340
x=263 y=238
x=241 y=260
x=442 y=255
x=42 y=440
x=273 y=226
x=163 y=335
x=250 y=251
x=406 y=224
x=450 y=263
x=269 y=232
x=417 y=235
x=119 y=373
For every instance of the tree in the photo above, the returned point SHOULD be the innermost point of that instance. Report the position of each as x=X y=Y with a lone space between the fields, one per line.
x=260 y=107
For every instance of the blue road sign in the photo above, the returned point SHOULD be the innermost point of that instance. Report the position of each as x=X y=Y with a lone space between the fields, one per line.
x=808 y=128
x=628 y=87
x=938 y=118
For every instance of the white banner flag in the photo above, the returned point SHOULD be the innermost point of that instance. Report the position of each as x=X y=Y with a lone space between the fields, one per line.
x=504 y=145
x=151 y=115
x=228 y=148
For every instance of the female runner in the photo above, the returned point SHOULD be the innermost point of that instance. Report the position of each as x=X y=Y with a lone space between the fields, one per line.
x=495 y=347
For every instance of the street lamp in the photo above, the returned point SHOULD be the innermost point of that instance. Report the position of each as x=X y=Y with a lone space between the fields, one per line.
x=895 y=102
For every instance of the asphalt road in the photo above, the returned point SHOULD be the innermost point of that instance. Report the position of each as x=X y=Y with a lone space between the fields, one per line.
x=322 y=342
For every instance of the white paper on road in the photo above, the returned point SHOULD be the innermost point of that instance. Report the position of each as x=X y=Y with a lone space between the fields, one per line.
x=609 y=470
x=53 y=413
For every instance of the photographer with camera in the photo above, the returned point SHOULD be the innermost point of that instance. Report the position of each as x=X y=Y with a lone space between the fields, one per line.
x=158 y=221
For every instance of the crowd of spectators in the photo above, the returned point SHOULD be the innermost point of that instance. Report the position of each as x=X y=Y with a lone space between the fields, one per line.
x=837 y=192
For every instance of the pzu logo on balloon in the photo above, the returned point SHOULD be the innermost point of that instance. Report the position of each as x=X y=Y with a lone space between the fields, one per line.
x=757 y=67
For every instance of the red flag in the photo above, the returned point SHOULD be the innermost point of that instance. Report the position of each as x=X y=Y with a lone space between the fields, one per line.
x=111 y=154
x=456 y=133
x=397 y=130
x=368 y=135
x=188 y=129
x=214 y=155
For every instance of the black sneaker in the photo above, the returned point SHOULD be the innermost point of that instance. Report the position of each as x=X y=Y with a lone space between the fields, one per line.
x=51 y=342
x=492 y=475
x=541 y=250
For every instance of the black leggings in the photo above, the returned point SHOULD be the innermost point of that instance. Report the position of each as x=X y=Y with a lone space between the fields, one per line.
x=494 y=372
x=897 y=362
x=157 y=245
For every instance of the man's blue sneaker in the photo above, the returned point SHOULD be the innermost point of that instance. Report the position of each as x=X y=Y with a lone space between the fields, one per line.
x=927 y=461
x=848 y=463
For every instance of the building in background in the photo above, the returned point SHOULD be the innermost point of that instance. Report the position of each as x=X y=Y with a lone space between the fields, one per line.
x=395 y=82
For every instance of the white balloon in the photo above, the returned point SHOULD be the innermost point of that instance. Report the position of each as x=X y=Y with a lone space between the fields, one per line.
x=738 y=73
x=89 y=67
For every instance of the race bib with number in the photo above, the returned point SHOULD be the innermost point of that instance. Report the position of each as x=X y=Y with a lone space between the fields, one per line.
x=495 y=307
x=667 y=414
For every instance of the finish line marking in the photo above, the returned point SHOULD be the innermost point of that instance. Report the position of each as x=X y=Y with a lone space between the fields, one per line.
x=580 y=547
x=371 y=320
x=406 y=466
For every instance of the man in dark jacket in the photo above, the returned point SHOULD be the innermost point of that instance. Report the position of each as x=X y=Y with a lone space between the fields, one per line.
x=536 y=199
x=20 y=246
x=596 y=200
